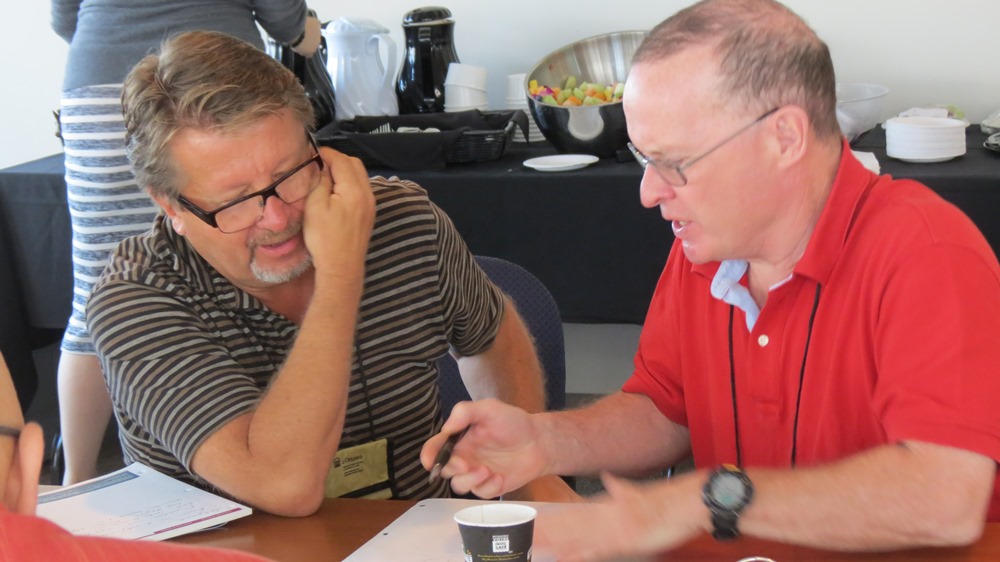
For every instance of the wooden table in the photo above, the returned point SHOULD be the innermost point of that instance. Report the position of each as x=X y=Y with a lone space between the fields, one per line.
x=341 y=526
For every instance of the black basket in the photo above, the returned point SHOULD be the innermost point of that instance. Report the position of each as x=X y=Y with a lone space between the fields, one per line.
x=480 y=146
x=471 y=145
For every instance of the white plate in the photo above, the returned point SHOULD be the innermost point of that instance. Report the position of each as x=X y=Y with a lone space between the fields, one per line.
x=561 y=162
x=925 y=160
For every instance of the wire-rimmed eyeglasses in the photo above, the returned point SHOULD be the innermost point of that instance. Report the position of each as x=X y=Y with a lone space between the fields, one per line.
x=674 y=173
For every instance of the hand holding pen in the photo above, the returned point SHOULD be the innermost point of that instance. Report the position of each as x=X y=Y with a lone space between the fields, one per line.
x=502 y=452
x=444 y=455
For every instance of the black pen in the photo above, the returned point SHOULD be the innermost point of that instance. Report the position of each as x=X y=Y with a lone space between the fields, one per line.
x=445 y=453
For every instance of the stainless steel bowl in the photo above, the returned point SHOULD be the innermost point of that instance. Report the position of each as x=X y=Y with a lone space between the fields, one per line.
x=589 y=129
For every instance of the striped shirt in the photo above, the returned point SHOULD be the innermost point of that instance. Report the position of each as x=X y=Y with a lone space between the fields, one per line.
x=184 y=351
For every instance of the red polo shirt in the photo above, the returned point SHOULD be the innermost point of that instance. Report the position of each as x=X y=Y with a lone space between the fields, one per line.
x=32 y=539
x=905 y=342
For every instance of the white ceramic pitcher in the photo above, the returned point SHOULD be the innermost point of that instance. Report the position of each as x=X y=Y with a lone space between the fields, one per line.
x=363 y=84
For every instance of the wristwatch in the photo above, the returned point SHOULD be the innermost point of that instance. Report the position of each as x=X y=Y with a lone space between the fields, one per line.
x=727 y=492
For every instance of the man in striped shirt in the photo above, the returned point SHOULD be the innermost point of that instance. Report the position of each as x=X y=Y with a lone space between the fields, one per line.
x=285 y=306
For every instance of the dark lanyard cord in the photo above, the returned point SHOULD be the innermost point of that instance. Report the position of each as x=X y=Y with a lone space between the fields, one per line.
x=802 y=378
x=364 y=389
x=732 y=386
x=802 y=375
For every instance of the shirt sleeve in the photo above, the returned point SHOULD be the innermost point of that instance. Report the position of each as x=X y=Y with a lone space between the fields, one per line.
x=283 y=20
x=473 y=306
x=64 y=15
x=937 y=349
x=165 y=369
x=26 y=537
x=656 y=368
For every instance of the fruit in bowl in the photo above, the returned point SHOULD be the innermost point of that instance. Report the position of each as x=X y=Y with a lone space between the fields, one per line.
x=573 y=94
x=588 y=128
x=860 y=107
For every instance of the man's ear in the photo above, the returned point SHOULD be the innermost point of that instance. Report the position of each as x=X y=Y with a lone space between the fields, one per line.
x=173 y=212
x=21 y=493
x=791 y=133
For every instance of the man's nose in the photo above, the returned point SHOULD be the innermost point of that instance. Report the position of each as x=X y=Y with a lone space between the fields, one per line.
x=275 y=215
x=653 y=189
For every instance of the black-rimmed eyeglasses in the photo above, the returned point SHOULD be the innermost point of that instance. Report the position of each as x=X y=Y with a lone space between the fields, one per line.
x=244 y=212
x=674 y=173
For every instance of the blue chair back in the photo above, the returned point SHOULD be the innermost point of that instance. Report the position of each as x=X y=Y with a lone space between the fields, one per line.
x=541 y=315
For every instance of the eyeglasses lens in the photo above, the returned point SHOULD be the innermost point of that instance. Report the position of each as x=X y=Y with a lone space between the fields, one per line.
x=292 y=189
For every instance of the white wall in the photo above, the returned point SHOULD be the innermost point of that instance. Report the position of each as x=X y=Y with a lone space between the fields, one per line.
x=925 y=51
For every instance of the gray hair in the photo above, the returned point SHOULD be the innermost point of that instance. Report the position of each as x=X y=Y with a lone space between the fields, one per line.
x=768 y=56
x=203 y=80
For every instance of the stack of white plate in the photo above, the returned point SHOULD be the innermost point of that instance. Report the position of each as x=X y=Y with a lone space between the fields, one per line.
x=924 y=139
x=534 y=135
x=517 y=98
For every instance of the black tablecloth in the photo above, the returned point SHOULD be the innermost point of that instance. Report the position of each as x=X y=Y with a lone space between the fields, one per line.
x=36 y=276
x=586 y=236
x=582 y=232
x=971 y=182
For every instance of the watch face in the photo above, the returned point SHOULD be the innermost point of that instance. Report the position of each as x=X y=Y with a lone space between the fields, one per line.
x=728 y=490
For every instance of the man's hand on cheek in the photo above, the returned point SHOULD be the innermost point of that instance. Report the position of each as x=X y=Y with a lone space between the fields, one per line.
x=339 y=214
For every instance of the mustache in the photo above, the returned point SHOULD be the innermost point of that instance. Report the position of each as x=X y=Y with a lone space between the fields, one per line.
x=268 y=238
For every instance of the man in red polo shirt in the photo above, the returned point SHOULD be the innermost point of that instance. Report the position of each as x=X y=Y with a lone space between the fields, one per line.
x=824 y=342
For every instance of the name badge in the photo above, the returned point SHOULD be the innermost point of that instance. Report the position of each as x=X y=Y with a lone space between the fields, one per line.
x=362 y=471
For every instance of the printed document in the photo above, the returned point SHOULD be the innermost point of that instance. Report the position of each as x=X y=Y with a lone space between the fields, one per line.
x=136 y=502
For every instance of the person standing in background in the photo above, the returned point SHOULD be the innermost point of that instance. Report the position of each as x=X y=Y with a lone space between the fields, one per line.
x=106 y=205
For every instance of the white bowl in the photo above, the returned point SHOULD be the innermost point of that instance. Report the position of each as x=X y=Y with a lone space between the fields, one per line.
x=860 y=106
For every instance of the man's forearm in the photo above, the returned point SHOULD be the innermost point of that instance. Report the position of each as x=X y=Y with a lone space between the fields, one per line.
x=307 y=399
x=277 y=457
x=509 y=370
x=622 y=433
x=886 y=498
x=889 y=497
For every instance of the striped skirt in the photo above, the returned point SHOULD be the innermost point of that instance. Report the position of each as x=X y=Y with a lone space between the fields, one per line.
x=105 y=204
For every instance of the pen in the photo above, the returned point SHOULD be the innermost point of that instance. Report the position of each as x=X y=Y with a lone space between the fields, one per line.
x=445 y=453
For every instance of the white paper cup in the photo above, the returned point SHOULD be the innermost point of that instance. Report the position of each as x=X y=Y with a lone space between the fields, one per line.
x=455 y=94
x=515 y=86
x=497 y=532
x=468 y=75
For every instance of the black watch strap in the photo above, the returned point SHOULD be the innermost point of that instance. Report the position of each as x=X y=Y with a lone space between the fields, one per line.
x=724 y=527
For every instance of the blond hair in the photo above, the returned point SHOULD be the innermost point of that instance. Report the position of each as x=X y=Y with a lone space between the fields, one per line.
x=203 y=80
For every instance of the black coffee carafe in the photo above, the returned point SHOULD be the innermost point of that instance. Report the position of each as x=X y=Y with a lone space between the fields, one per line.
x=430 y=48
